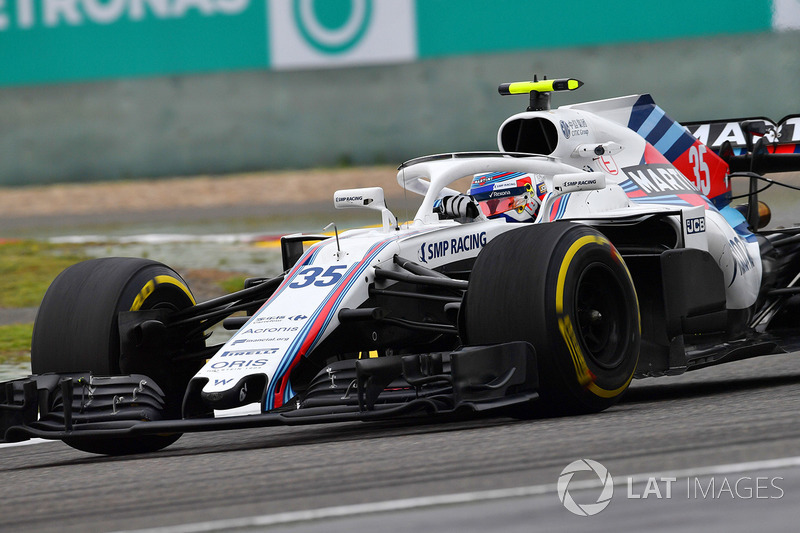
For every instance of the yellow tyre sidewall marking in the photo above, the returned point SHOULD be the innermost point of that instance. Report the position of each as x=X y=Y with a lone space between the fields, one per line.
x=150 y=287
x=568 y=331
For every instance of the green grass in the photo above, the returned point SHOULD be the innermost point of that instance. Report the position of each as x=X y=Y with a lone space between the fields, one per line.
x=15 y=343
x=232 y=284
x=28 y=267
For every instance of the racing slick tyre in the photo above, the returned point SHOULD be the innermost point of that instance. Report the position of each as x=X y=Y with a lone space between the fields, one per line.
x=76 y=330
x=565 y=289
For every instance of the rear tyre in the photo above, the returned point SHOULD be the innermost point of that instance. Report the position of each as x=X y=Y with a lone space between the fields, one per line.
x=76 y=330
x=565 y=289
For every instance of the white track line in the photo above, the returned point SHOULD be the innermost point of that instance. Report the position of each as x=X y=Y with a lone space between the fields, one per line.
x=162 y=238
x=450 y=499
x=24 y=443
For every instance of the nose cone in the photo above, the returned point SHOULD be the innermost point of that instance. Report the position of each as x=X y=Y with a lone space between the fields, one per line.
x=247 y=390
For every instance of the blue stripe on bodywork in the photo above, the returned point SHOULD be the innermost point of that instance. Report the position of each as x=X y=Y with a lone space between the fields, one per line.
x=640 y=111
x=563 y=207
x=670 y=137
x=738 y=223
x=650 y=123
x=656 y=127
x=294 y=347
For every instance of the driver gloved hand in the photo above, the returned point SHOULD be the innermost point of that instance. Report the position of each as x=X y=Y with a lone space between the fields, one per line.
x=459 y=206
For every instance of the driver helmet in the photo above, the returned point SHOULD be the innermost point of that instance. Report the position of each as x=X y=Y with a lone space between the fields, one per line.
x=514 y=196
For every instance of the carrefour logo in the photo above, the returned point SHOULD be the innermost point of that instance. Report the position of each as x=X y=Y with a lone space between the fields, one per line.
x=319 y=33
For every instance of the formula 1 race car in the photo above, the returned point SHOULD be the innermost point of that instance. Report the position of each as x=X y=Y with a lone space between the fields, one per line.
x=598 y=245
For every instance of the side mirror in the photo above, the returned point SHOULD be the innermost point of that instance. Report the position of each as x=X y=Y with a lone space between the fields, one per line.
x=365 y=198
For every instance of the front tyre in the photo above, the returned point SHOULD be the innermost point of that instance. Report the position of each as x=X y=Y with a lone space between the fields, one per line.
x=76 y=330
x=564 y=288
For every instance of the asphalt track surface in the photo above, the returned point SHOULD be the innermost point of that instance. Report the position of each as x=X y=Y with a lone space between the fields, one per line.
x=733 y=422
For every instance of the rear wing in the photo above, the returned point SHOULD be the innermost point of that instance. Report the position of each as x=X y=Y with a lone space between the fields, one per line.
x=755 y=144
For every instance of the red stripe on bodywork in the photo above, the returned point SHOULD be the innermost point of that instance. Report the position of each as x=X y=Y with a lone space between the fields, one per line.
x=693 y=199
x=785 y=149
x=316 y=327
x=554 y=208
x=651 y=155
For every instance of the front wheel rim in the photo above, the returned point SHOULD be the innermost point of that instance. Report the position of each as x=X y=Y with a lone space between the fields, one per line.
x=601 y=316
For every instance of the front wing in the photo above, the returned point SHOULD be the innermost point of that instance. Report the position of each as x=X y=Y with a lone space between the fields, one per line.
x=82 y=406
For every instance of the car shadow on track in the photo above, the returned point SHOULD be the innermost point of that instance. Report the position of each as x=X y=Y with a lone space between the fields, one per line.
x=677 y=391
x=280 y=437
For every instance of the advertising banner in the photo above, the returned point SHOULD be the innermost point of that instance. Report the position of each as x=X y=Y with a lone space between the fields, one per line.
x=54 y=41
x=44 y=41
